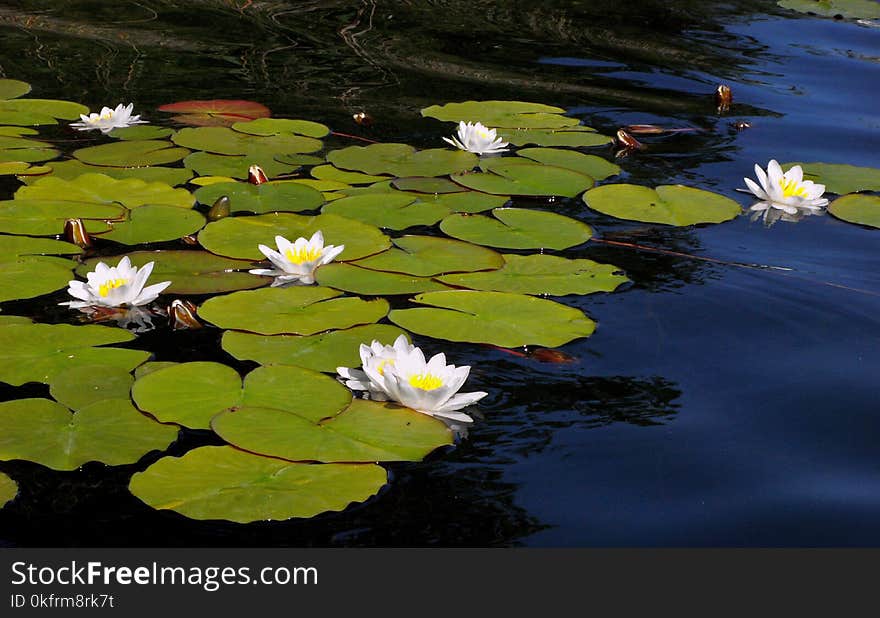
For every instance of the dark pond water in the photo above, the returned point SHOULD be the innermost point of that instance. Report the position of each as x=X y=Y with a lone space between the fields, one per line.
x=716 y=404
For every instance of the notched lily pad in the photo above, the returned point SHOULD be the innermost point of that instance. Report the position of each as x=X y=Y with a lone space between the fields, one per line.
x=295 y=310
x=350 y=278
x=574 y=137
x=526 y=178
x=388 y=210
x=17 y=278
x=839 y=178
x=103 y=189
x=220 y=482
x=46 y=217
x=37 y=352
x=13 y=88
x=239 y=237
x=110 y=431
x=498 y=318
x=321 y=352
x=513 y=114
x=84 y=385
x=518 y=228
x=276 y=196
x=861 y=209
x=667 y=204
x=402 y=160
x=265 y=127
x=236 y=166
x=542 y=274
x=426 y=256
x=70 y=169
x=155 y=223
x=590 y=165
x=192 y=272
x=139 y=153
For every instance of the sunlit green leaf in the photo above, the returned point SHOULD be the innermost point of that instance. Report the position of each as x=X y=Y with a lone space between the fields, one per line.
x=278 y=126
x=668 y=204
x=46 y=217
x=861 y=209
x=141 y=132
x=425 y=256
x=67 y=110
x=239 y=237
x=854 y=9
x=12 y=247
x=236 y=166
x=574 y=137
x=518 y=228
x=13 y=88
x=8 y=490
x=262 y=198
x=191 y=272
x=420 y=184
x=155 y=223
x=392 y=211
x=110 y=431
x=526 y=178
x=515 y=114
x=499 y=318
x=225 y=141
x=29 y=276
x=81 y=386
x=591 y=165
x=367 y=282
x=138 y=153
x=321 y=352
x=297 y=310
x=542 y=274
x=72 y=168
x=220 y=482
x=402 y=160
x=102 y=189
x=328 y=172
x=37 y=352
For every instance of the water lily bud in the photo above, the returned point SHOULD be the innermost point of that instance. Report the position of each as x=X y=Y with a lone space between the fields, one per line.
x=256 y=175
x=182 y=314
x=190 y=239
x=741 y=125
x=546 y=355
x=75 y=232
x=628 y=141
x=723 y=97
x=363 y=119
x=220 y=209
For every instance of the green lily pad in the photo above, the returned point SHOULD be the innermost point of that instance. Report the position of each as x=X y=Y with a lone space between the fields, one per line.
x=155 y=223
x=861 y=209
x=590 y=165
x=265 y=127
x=110 y=431
x=12 y=247
x=17 y=131
x=70 y=169
x=420 y=184
x=192 y=272
x=328 y=172
x=140 y=153
x=350 y=278
x=524 y=178
x=467 y=201
x=321 y=185
x=188 y=394
x=101 y=189
x=321 y=352
x=8 y=487
x=854 y=9
x=839 y=178
x=46 y=217
x=8 y=168
x=22 y=149
x=402 y=160
x=542 y=274
x=236 y=166
x=67 y=110
x=367 y=431
x=498 y=318
x=150 y=367
x=239 y=237
x=668 y=204
x=82 y=386
x=296 y=390
x=297 y=160
x=13 y=88
x=392 y=211
x=426 y=256
x=30 y=276
x=298 y=310
x=267 y=197
x=518 y=228
x=220 y=482
x=225 y=141
x=37 y=352
x=25 y=118
x=141 y=132
x=514 y=114
x=572 y=137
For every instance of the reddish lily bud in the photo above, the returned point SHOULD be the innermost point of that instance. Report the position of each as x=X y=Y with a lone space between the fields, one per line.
x=628 y=141
x=75 y=232
x=181 y=314
x=256 y=175
x=723 y=97
x=363 y=119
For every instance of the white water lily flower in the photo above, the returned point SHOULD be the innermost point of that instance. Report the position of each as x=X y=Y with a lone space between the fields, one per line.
x=108 y=119
x=476 y=138
x=377 y=357
x=430 y=387
x=115 y=286
x=297 y=260
x=788 y=192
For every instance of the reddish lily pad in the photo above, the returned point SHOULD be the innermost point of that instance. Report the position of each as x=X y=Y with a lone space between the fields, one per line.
x=226 y=111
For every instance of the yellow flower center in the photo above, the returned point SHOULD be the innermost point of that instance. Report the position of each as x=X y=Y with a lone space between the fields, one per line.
x=106 y=115
x=425 y=381
x=299 y=256
x=790 y=188
x=110 y=284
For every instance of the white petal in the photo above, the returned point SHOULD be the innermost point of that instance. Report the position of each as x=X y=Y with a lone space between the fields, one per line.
x=755 y=189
